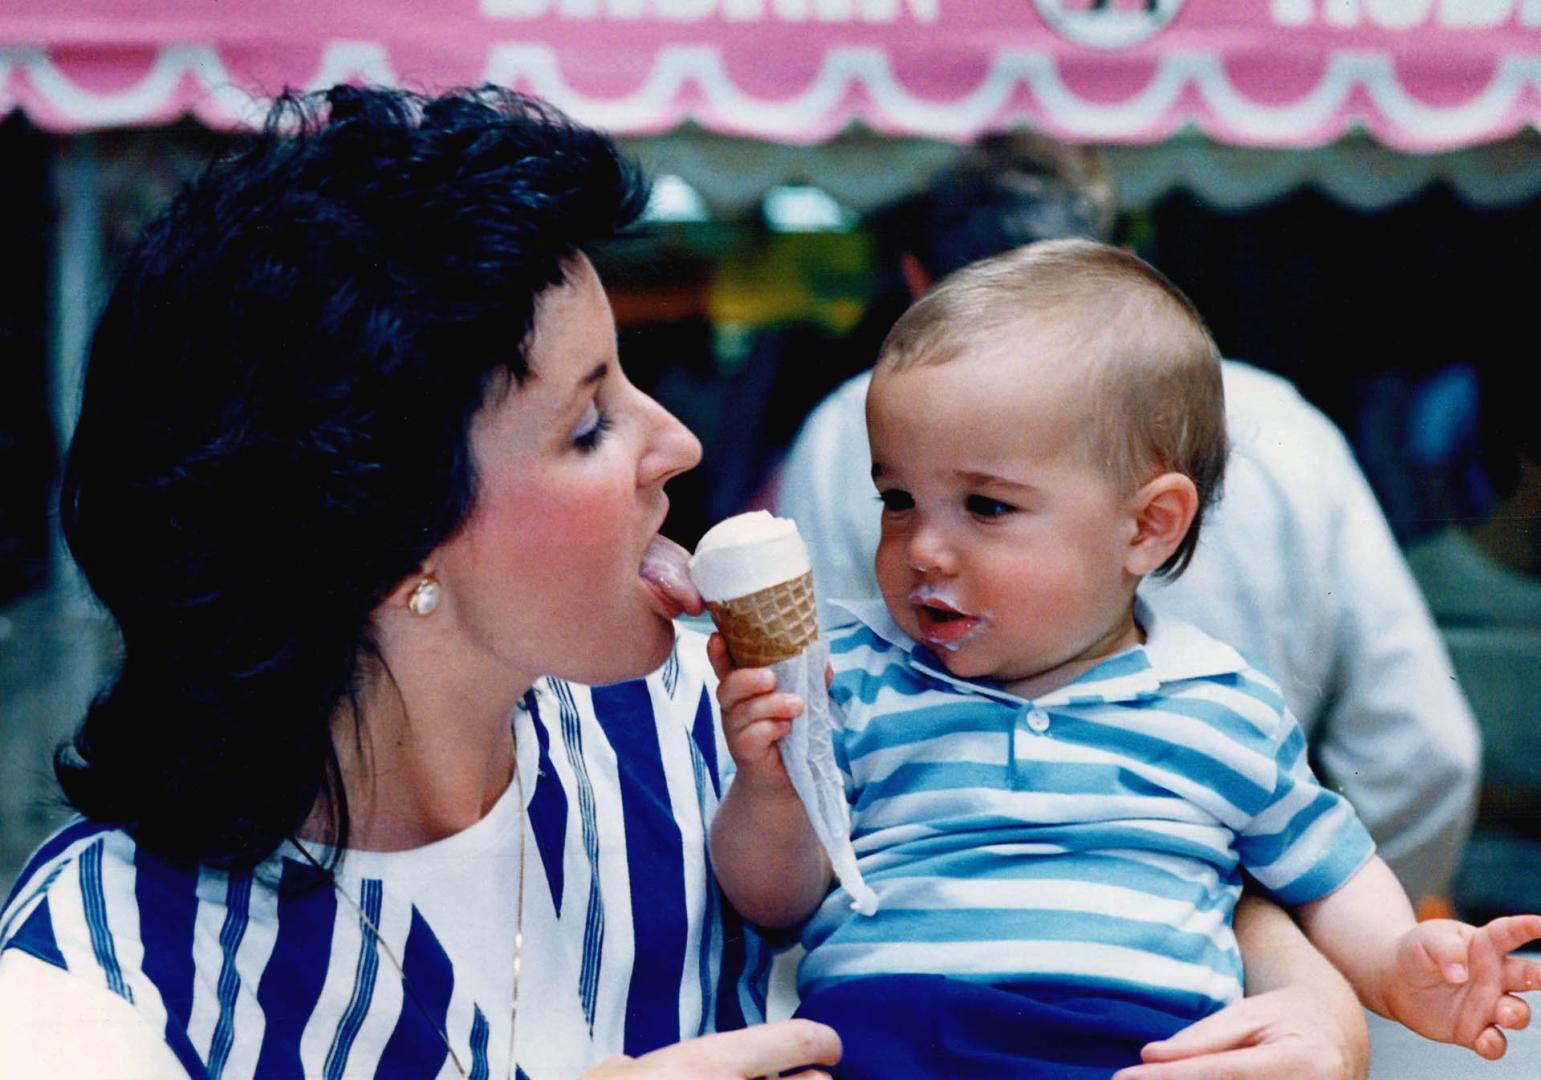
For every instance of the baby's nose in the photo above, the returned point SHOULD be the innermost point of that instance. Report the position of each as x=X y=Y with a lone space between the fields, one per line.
x=929 y=553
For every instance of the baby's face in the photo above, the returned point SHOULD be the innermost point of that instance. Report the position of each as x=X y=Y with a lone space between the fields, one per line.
x=1003 y=548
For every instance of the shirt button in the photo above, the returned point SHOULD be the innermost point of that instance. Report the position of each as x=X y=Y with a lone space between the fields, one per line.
x=1038 y=720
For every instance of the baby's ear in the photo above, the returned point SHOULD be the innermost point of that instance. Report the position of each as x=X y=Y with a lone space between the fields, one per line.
x=1163 y=509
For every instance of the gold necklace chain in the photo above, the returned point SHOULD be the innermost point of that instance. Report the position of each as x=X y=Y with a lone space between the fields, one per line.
x=406 y=984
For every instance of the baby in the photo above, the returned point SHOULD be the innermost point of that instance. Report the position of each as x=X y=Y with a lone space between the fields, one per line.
x=1054 y=793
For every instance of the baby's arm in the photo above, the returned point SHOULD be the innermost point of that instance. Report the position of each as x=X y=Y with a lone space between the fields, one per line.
x=1445 y=980
x=764 y=851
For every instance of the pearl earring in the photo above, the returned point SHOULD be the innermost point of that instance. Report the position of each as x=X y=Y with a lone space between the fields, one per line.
x=425 y=598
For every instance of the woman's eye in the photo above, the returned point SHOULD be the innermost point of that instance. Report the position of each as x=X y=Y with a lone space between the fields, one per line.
x=980 y=506
x=894 y=500
x=591 y=427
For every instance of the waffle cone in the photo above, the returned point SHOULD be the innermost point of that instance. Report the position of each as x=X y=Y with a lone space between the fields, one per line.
x=768 y=626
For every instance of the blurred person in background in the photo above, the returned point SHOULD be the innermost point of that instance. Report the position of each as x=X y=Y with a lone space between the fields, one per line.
x=1297 y=566
x=1488 y=573
x=1483 y=583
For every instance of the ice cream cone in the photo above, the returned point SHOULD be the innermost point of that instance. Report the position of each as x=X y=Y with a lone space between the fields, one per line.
x=770 y=625
x=753 y=572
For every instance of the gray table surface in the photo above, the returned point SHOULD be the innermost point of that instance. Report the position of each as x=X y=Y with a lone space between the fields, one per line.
x=1398 y=1054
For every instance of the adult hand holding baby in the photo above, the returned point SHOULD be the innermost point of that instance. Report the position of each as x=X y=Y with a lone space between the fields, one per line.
x=1284 y=1034
x=766 y=1050
x=1300 y=1020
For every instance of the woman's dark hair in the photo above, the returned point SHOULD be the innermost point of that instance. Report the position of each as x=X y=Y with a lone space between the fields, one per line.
x=274 y=433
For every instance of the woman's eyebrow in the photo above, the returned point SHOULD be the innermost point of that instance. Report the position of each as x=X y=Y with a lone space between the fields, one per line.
x=597 y=375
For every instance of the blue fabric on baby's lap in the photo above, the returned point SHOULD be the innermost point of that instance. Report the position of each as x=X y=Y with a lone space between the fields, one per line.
x=932 y=1026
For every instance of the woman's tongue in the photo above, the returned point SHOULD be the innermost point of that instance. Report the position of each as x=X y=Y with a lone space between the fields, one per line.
x=663 y=569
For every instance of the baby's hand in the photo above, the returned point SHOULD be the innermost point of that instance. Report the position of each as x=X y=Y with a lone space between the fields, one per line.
x=1456 y=983
x=755 y=717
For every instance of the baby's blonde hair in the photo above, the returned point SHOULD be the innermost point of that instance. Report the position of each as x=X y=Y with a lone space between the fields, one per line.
x=1150 y=367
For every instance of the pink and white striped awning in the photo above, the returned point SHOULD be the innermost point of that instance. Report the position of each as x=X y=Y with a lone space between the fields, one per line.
x=1418 y=75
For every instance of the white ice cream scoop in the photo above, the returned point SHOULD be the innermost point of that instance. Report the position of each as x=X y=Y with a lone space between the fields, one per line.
x=746 y=553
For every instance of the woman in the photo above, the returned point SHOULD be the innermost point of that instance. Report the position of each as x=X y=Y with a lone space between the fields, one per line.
x=356 y=467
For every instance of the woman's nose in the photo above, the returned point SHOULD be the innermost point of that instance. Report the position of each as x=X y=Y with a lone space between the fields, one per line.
x=671 y=448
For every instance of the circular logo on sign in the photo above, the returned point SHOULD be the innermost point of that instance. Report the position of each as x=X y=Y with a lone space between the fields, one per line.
x=1108 y=24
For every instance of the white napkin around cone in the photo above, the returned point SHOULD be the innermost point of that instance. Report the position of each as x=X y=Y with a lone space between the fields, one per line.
x=808 y=752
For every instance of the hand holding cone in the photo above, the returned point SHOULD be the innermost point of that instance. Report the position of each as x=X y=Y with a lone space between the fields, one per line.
x=754 y=574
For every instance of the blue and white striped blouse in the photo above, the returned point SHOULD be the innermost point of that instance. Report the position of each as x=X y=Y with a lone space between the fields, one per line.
x=1092 y=839
x=267 y=974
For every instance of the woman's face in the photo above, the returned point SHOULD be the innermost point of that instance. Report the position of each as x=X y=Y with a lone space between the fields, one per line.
x=543 y=578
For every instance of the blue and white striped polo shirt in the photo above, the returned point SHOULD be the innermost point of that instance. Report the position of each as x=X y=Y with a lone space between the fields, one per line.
x=1091 y=839
x=270 y=974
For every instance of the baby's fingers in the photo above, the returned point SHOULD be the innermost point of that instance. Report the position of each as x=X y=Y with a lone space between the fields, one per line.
x=755 y=746
x=717 y=653
x=1448 y=945
x=1521 y=974
x=1490 y=1044
x=744 y=684
x=1512 y=931
x=760 y=720
x=1511 y=1012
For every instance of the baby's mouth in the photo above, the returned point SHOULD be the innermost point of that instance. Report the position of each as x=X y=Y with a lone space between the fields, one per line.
x=941 y=624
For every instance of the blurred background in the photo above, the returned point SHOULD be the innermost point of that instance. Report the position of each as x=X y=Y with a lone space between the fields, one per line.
x=1350 y=193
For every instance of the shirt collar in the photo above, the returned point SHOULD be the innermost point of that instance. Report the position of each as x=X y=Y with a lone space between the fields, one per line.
x=1173 y=652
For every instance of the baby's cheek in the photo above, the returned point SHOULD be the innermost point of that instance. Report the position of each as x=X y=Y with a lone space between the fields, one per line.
x=890 y=568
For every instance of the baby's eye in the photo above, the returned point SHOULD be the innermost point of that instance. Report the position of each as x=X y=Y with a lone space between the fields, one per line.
x=895 y=500
x=981 y=506
x=591 y=427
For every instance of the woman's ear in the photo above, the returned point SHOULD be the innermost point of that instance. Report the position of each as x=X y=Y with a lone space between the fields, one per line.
x=1163 y=510
x=398 y=596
